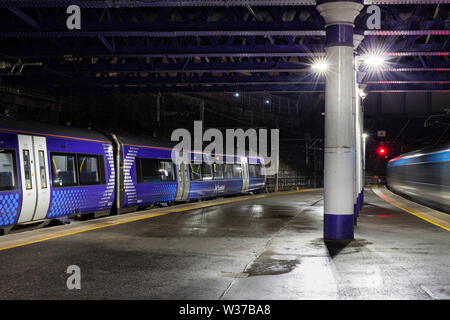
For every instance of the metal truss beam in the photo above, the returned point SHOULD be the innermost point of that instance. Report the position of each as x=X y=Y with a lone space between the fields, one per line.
x=169 y=51
x=181 y=66
x=191 y=3
x=232 y=80
x=204 y=33
x=216 y=45
x=22 y=15
x=259 y=88
x=174 y=22
x=187 y=48
x=215 y=65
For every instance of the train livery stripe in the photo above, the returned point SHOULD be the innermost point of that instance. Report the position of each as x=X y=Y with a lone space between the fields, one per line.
x=441 y=156
x=148 y=147
x=26 y=239
x=429 y=215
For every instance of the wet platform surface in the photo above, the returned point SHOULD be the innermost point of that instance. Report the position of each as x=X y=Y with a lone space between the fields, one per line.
x=260 y=248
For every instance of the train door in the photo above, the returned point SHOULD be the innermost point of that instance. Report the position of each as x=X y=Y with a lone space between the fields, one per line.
x=42 y=179
x=35 y=189
x=183 y=182
x=245 y=178
x=187 y=181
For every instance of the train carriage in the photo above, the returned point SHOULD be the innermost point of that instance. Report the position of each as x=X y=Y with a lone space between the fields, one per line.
x=150 y=176
x=423 y=176
x=147 y=173
x=51 y=172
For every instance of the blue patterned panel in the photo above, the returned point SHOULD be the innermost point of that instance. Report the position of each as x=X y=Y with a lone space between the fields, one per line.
x=9 y=208
x=67 y=201
x=156 y=192
x=10 y=201
x=129 y=176
x=107 y=198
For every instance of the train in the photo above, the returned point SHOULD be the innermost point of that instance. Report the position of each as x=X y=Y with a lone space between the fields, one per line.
x=422 y=176
x=55 y=173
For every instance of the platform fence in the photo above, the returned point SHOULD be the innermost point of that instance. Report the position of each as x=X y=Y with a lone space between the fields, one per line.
x=293 y=181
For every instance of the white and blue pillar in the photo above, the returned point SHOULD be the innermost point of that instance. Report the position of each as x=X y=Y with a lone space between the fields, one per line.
x=358 y=125
x=340 y=153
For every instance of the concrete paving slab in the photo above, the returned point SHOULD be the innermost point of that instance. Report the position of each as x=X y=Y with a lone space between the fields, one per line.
x=257 y=248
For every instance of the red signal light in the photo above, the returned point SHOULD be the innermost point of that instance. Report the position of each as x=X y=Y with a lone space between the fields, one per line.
x=382 y=151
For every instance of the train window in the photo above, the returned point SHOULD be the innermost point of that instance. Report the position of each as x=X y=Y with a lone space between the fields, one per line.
x=27 y=169
x=237 y=170
x=218 y=171
x=227 y=171
x=8 y=178
x=254 y=170
x=154 y=170
x=258 y=170
x=195 y=170
x=63 y=170
x=42 y=172
x=89 y=169
x=147 y=170
x=166 y=170
x=206 y=171
x=251 y=171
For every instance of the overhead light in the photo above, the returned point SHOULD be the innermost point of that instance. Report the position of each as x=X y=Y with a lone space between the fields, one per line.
x=267 y=101
x=320 y=66
x=374 y=61
x=236 y=94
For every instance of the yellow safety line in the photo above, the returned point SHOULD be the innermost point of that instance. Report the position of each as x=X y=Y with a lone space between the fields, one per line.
x=59 y=234
x=396 y=204
x=56 y=235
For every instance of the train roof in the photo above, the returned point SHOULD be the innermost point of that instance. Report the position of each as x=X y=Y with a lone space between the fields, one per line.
x=153 y=142
x=425 y=150
x=32 y=127
x=434 y=151
x=144 y=141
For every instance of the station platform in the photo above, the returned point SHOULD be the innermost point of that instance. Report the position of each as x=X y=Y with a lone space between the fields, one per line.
x=252 y=247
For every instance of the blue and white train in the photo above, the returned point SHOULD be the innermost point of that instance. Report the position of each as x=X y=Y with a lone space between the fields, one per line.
x=49 y=172
x=423 y=176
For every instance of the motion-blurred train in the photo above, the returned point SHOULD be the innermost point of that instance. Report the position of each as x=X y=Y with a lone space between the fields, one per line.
x=49 y=172
x=423 y=176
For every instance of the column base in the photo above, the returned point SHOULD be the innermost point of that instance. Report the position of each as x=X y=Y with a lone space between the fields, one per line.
x=362 y=198
x=338 y=227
